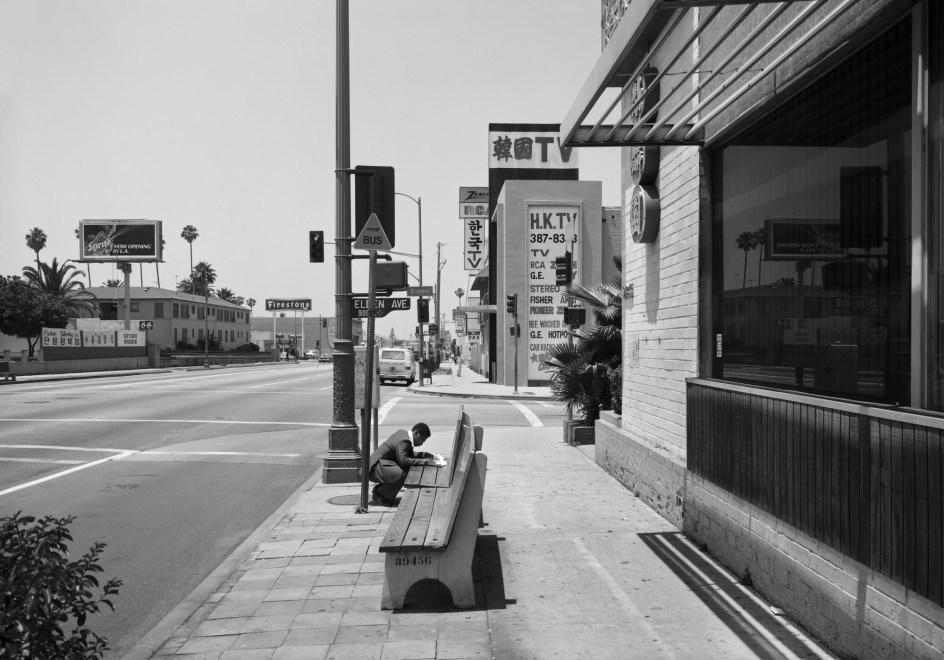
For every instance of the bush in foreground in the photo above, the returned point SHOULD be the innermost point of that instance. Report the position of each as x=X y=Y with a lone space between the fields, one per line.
x=45 y=598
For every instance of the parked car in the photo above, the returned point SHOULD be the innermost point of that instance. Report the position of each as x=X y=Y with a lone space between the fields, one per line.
x=312 y=354
x=397 y=364
x=325 y=357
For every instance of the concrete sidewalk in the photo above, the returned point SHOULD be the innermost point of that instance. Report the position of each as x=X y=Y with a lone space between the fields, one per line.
x=569 y=565
x=450 y=380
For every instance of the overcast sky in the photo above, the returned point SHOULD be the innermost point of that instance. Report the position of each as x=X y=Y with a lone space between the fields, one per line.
x=221 y=114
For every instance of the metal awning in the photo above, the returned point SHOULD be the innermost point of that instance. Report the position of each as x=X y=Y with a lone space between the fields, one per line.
x=731 y=46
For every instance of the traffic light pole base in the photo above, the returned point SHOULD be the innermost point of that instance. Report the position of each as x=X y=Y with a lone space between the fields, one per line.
x=343 y=461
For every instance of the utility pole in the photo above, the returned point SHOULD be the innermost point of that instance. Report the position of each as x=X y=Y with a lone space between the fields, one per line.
x=439 y=267
x=341 y=463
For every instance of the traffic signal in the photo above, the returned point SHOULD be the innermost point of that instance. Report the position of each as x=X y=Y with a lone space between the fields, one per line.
x=511 y=303
x=422 y=310
x=374 y=191
x=316 y=247
x=563 y=267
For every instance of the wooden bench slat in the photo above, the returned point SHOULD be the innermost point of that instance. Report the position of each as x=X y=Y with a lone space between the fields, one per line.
x=419 y=522
x=393 y=539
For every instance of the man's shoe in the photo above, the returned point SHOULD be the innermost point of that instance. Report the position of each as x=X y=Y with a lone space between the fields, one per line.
x=378 y=500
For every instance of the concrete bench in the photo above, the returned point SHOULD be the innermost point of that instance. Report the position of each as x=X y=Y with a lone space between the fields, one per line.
x=433 y=533
x=6 y=372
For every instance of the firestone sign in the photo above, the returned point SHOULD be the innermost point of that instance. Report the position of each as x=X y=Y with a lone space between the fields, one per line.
x=290 y=304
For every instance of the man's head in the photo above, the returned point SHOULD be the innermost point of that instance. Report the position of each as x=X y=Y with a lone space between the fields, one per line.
x=420 y=433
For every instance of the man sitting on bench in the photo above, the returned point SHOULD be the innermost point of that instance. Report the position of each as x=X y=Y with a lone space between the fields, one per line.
x=391 y=462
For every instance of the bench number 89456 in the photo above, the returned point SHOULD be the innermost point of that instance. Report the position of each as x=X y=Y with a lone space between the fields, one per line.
x=414 y=560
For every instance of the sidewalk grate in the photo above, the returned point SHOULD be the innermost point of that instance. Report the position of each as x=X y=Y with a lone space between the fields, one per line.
x=345 y=500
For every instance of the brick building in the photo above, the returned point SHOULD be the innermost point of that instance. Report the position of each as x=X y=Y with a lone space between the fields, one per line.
x=783 y=297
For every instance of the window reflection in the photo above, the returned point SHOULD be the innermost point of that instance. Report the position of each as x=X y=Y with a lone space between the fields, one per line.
x=813 y=224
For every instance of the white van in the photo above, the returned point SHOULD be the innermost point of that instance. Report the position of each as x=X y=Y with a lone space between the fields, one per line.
x=397 y=364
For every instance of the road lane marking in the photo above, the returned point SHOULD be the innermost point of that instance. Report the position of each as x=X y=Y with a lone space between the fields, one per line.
x=62 y=461
x=161 y=421
x=548 y=405
x=528 y=415
x=56 y=475
x=214 y=453
x=64 y=448
x=386 y=408
x=282 y=382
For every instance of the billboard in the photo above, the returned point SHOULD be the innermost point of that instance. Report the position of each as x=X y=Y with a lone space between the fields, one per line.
x=473 y=203
x=120 y=240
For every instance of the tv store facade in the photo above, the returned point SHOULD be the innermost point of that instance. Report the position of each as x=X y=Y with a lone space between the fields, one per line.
x=783 y=326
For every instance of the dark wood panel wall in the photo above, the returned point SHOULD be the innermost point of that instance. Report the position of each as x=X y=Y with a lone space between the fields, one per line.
x=869 y=486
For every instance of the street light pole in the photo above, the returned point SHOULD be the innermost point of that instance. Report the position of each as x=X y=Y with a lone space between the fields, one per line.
x=341 y=463
x=419 y=218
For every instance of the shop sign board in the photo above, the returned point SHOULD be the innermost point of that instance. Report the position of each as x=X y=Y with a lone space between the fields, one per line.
x=549 y=229
x=474 y=247
x=525 y=149
x=120 y=240
x=473 y=203
x=59 y=337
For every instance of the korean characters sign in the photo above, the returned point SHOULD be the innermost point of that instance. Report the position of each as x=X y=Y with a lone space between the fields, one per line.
x=523 y=149
x=61 y=338
x=128 y=338
x=288 y=304
x=550 y=229
x=98 y=339
x=474 y=246
x=120 y=240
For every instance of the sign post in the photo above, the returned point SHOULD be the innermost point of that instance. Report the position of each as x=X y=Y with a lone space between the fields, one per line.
x=371 y=238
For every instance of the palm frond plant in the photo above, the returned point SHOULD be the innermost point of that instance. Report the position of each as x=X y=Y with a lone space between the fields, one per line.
x=61 y=281
x=581 y=369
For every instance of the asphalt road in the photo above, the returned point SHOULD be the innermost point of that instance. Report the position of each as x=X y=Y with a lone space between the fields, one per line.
x=173 y=471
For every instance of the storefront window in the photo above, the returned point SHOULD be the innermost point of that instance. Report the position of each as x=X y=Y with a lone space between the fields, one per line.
x=936 y=201
x=812 y=234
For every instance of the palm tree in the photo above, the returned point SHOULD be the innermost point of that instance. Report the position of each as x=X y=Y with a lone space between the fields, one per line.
x=747 y=241
x=226 y=294
x=114 y=283
x=581 y=368
x=251 y=303
x=760 y=236
x=36 y=241
x=190 y=234
x=185 y=285
x=60 y=281
x=204 y=275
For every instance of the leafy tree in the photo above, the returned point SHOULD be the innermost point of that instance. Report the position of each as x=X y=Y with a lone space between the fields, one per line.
x=60 y=281
x=190 y=234
x=36 y=241
x=114 y=283
x=25 y=310
x=252 y=303
x=43 y=594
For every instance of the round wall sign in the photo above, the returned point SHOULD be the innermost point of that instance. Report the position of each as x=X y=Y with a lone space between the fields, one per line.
x=644 y=211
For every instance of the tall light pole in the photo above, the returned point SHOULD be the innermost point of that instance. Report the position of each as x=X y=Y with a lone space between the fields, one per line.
x=419 y=217
x=341 y=463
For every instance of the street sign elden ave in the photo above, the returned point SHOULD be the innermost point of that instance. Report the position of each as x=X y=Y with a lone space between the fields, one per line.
x=372 y=236
x=420 y=291
x=382 y=306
